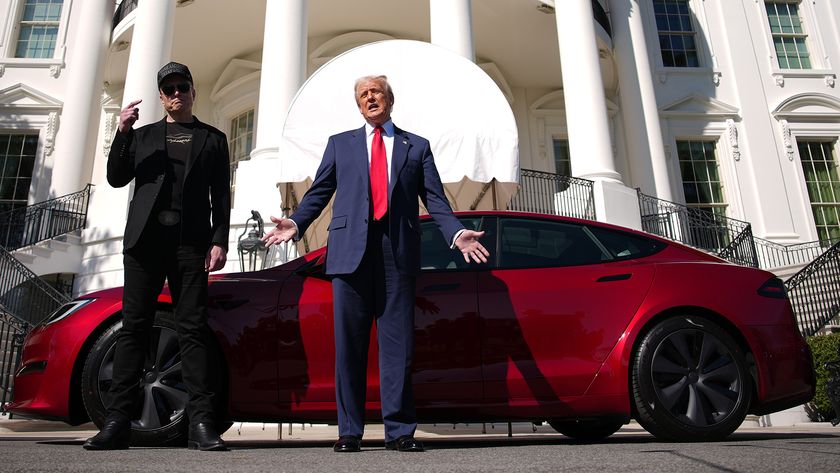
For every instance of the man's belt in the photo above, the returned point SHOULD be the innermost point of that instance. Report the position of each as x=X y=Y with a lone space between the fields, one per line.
x=169 y=218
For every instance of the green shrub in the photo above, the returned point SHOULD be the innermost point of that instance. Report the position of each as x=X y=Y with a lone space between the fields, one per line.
x=824 y=348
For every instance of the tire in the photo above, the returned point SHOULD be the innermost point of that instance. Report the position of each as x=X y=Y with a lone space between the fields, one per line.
x=163 y=420
x=690 y=381
x=592 y=430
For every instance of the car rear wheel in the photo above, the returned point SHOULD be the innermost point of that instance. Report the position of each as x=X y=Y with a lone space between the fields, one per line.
x=162 y=418
x=690 y=381
x=590 y=430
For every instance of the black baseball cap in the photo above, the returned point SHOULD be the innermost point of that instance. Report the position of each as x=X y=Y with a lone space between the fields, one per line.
x=174 y=68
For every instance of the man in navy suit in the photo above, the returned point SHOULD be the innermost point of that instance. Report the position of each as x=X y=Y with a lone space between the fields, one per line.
x=377 y=173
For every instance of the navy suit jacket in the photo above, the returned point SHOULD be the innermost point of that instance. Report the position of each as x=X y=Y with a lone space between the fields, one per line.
x=344 y=170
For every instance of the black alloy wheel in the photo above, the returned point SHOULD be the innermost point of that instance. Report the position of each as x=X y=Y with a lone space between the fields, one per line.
x=161 y=419
x=690 y=381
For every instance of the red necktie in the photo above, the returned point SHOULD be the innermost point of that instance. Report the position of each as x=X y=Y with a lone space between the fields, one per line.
x=378 y=175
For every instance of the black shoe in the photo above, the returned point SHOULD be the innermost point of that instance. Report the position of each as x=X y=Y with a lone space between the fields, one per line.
x=406 y=443
x=114 y=435
x=347 y=444
x=203 y=437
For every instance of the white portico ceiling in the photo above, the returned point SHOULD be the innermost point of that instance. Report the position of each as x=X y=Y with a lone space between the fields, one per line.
x=513 y=34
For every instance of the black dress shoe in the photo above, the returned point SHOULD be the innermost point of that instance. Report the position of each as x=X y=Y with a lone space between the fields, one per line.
x=203 y=436
x=115 y=435
x=347 y=444
x=406 y=443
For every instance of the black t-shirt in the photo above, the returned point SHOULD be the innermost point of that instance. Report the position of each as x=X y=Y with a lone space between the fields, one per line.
x=179 y=137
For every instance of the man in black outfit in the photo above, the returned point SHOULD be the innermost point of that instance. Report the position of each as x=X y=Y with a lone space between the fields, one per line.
x=174 y=233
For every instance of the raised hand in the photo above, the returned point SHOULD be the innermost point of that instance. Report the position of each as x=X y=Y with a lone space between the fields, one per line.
x=284 y=231
x=128 y=116
x=470 y=247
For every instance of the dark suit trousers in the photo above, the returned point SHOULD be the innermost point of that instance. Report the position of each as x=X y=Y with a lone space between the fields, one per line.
x=378 y=292
x=147 y=265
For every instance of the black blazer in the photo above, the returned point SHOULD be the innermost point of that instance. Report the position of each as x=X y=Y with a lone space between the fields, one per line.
x=141 y=155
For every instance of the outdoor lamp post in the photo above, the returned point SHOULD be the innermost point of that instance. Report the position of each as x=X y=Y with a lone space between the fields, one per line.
x=251 y=247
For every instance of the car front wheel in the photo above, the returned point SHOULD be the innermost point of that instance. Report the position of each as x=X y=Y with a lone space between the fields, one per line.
x=690 y=381
x=162 y=418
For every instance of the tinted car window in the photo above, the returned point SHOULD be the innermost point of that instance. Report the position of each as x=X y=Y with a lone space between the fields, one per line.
x=625 y=245
x=435 y=252
x=532 y=243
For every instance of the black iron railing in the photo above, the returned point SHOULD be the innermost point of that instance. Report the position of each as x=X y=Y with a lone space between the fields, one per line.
x=729 y=238
x=23 y=294
x=124 y=8
x=12 y=333
x=774 y=255
x=601 y=16
x=815 y=291
x=545 y=192
x=29 y=225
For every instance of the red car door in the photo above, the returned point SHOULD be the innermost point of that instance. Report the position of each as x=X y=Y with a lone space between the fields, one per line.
x=553 y=310
x=447 y=348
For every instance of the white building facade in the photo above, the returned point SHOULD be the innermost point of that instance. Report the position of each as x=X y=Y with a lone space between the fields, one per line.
x=728 y=105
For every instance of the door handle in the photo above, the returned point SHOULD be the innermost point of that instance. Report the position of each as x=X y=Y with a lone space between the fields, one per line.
x=614 y=277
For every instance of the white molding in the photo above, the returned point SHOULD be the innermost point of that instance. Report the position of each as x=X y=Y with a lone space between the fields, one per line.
x=50 y=131
x=806 y=107
x=787 y=139
x=39 y=100
x=235 y=74
x=236 y=97
x=732 y=134
x=343 y=43
x=700 y=107
x=491 y=69
x=122 y=28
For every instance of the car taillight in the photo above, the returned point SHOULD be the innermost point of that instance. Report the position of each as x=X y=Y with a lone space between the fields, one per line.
x=774 y=287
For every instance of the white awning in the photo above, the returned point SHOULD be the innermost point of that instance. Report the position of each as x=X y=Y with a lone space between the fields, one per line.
x=438 y=95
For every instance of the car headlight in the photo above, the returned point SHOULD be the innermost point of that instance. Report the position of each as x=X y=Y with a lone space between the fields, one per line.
x=66 y=310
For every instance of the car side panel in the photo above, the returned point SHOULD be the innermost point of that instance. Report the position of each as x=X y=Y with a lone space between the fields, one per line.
x=547 y=331
x=243 y=316
x=764 y=324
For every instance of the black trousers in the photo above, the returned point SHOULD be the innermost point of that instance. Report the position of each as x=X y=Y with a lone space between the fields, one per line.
x=147 y=265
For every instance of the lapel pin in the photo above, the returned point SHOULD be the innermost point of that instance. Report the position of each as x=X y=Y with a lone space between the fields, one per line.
x=405 y=142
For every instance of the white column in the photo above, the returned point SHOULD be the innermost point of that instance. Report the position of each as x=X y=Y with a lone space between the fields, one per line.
x=283 y=70
x=587 y=121
x=451 y=26
x=586 y=105
x=151 y=45
x=648 y=163
x=76 y=138
x=151 y=48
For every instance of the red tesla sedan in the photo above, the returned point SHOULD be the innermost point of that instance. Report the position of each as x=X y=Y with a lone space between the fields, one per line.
x=578 y=323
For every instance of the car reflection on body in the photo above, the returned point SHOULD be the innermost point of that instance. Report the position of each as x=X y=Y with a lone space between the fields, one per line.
x=577 y=323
